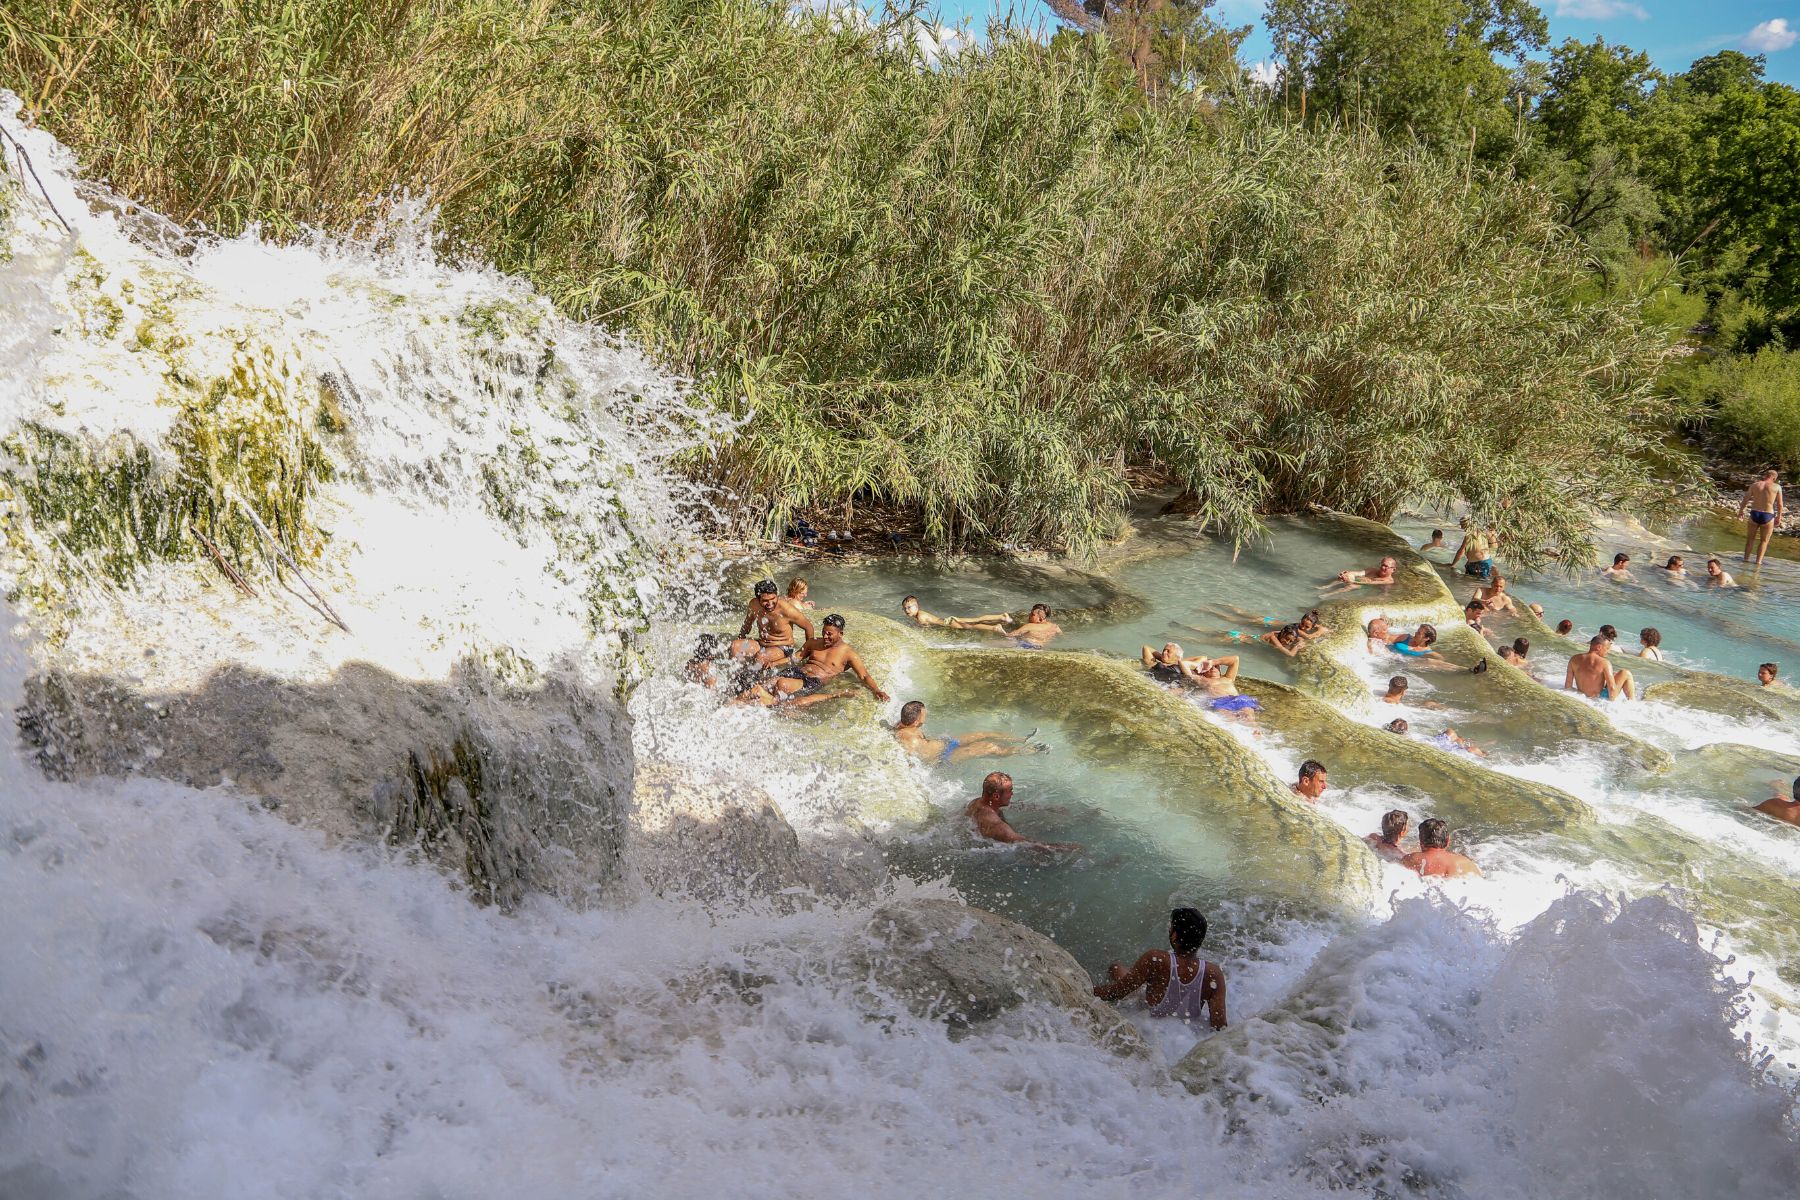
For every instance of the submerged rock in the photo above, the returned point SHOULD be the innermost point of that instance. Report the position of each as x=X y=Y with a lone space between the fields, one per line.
x=972 y=969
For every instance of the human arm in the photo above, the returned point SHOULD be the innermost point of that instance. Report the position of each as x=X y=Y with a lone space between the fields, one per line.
x=749 y=620
x=1569 y=676
x=1460 y=547
x=1744 y=504
x=1149 y=657
x=868 y=680
x=797 y=616
x=1215 y=995
x=1150 y=965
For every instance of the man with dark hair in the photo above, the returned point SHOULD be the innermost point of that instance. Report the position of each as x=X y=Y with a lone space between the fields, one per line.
x=774 y=617
x=1590 y=674
x=1311 y=784
x=1393 y=828
x=987 y=622
x=1621 y=568
x=1177 y=982
x=822 y=659
x=910 y=733
x=1783 y=808
x=1434 y=856
x=984 y=810
x=1035 y=631
x=1396 y=691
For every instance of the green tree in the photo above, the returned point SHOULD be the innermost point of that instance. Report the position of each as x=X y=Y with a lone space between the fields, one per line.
x=1425 y=66
x=1167 y=43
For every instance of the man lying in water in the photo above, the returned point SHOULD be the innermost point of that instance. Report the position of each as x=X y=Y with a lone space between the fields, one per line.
x=984 y=810
x=910 y=733
x=1380 y=575
x=1166 y=666
x=774 y=618
x=987 y=623
x=1035 y=632
x=1217 y=677
x=1387 y=842
x=1590 y=674
x=1447 y=740
x=1177 y=982
x=1434 y=856
x=1783 y=808
x=822 y=659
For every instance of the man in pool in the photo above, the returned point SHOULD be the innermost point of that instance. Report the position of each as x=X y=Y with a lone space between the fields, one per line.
x=1166 y=666
x=1387 y=842
x=1434 y=856
x=822 y=659
x=1381 y=575
x=988 y=623
x=1621 y=568
x=1177 y=982
x=1436 y=542
x=1396 y=691
x=1783 y=808
x=1765 y=674
x=1590 y=674
x=1717 y=576
x=1217 y=677
x=1035 y=632
x=910 y=733
x=774 y=618
x=1494 y=597
x=1763 y=502
x=984 y=810
x=1311 y=784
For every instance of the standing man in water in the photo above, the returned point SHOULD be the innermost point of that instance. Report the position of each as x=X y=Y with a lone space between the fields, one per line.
x=1590 y=674
x=1177 y=982
x=822 y=659
x=1476 y=550
x=1781 y=807
x=1434 y=856
x=984 y=810
x=774 y=617
x=1763 y=501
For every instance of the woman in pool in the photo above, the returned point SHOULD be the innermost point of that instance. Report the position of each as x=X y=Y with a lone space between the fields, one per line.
x=1288 y=639
x=1417 y=644
x=1652 y=641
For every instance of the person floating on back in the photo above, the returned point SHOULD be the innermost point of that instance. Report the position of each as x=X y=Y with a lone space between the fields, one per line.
x=987 y=623
x=984 y=810
x=1783 y=808
x=1177 y=982
x=1387 y=842
x=1765 y=506
x=910 y=733
x=1036 y=630
x=1434 y=856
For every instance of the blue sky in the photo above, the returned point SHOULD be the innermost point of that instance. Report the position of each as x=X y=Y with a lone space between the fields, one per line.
x=1675 y=32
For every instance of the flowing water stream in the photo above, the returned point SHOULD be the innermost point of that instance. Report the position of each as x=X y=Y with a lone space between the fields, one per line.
x=340 y=879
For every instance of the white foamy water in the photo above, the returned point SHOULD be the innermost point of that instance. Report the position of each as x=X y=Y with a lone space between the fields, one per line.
x=201 y=999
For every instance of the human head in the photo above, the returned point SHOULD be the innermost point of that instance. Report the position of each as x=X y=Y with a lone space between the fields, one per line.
x=1397 y=725
x=912 y=713
x=1310 y=620
x=1473 y=609
x=1770 y=473
x=706 y=648
x=1610 y=633
x=1171 y=652
x=831 y=632
x=1378 y=626
x=1766 y=673
x=1040 y=612
x=1393 y=825
x=1437 y=534
x=1565 y=627
x=1397 y=685
x=1462 y=523
x=1389 y=563
x=1434 y=834
x=767 y=594
x=1312 y=778
x=996 y=789
x=1289 y=634
x=910 y=606
x=1598 y=642
x=1187 y=929
x=1522 y=647
x=1713 y=567
x=1620 y=560
x=797 y=588
x=1537 y=610
x=1499 y=582
x=1674 y=563
x=1650 y=637
x=1423 y=636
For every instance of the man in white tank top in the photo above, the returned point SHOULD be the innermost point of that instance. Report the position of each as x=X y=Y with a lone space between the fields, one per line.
x=1177 y=982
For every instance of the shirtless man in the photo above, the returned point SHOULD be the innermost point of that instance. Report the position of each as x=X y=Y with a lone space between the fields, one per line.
x=1717 y=576
x=773 y=618
x=1381 y=574
x=822 y=659
x=910 y=733
x=1590 y=674
x=1473 y=612
x=1494 y=597
x=1620 y=570
x=988 y=623
x=1177 y=981
x=1387 y=842
x=1436 y=542
x=1434 y=856
x=1311 y=784
x=1675 y=570
x=1036 y=631
x=984 y=810
x=1217 y=677
x=1763 y=502
x=1477 y=547
x=1781 y=807
x=1396 y=691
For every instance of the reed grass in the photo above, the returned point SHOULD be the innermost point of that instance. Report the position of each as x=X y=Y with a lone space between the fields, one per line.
x=981 y=291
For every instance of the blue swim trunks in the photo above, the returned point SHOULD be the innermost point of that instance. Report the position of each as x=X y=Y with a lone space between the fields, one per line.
x=1234 y=704
x=1761 y=517
x=1484 y=568
x=950 y=745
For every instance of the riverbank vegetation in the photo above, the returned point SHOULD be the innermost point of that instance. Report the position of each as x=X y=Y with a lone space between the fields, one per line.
x=980 y=287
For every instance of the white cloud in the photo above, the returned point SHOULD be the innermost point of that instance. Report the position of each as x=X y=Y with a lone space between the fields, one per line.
x=1600 y=10
x=1264 y=72
x=1771 y=36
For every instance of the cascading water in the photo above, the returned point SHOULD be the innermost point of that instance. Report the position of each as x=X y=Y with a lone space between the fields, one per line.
x=240 y=841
